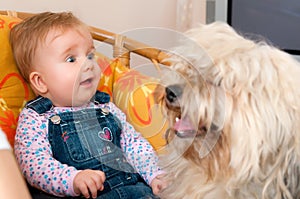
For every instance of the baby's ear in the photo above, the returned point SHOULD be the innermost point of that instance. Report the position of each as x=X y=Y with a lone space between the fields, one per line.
x=38 y=83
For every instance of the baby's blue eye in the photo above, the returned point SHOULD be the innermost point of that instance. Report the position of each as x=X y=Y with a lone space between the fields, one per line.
x=71 y=59
x=91 y=56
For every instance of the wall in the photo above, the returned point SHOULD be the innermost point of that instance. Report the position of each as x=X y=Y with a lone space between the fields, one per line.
x=113 y=15
x=120 y=16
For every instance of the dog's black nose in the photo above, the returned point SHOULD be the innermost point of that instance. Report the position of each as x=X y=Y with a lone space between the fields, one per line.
x=173 y=92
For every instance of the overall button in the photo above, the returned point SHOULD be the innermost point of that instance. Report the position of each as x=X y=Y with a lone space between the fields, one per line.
x=105 y=111
x=55 y=119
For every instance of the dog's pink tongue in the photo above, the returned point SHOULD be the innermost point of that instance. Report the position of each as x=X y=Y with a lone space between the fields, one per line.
x=183 y=125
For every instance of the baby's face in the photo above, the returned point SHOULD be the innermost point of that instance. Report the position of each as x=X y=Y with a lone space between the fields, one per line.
x=67 y=66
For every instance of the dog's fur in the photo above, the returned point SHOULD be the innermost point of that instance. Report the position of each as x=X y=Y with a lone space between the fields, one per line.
x=244 y=98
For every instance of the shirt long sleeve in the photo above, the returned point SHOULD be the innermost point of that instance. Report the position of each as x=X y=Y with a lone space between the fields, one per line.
x=33 y=152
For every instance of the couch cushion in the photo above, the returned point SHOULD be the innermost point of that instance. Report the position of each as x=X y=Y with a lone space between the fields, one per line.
x=111 y=70
x=133 y=93
x=14 y=91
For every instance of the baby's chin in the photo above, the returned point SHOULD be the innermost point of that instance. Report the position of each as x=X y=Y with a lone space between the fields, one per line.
x=81 y=102
x=83 y=97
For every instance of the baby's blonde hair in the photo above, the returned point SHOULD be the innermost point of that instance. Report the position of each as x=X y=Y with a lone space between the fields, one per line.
x=28 y=35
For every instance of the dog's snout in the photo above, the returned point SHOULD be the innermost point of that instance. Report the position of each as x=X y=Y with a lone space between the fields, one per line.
x=173 y=92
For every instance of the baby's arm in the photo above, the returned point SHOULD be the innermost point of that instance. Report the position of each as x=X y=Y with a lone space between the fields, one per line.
x=34 y=155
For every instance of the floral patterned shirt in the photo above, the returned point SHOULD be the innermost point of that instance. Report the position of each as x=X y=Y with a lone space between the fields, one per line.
x=34 y=155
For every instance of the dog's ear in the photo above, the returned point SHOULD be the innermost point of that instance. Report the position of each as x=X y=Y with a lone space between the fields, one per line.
x=218 y=114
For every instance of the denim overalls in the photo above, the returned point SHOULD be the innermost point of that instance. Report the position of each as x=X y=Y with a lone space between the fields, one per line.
x=90 y=139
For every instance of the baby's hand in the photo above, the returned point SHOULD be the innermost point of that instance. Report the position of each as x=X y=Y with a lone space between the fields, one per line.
x=158 y=184
x=88 y=182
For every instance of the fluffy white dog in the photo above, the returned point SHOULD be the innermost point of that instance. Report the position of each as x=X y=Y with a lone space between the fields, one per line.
x=233 y=107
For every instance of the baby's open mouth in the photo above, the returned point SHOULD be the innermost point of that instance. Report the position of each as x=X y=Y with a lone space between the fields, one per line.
x=86 y=82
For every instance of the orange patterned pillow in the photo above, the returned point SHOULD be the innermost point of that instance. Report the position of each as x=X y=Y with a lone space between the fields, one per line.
x=133 y=93
x=111 y=70
x=14 y=91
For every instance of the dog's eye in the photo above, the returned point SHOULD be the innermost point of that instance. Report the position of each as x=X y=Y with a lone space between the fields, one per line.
x=173 y=92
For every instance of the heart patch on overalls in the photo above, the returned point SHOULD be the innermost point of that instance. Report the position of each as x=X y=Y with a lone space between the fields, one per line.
x=105 y=134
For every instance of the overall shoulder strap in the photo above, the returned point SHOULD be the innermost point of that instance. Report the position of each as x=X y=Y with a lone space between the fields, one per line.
x=40 y=104
x=102 y=97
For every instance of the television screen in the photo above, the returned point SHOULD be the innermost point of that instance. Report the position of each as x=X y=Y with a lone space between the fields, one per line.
x=276 y=21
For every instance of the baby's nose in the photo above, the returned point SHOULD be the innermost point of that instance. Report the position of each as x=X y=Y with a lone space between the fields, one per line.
x=88 y=64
